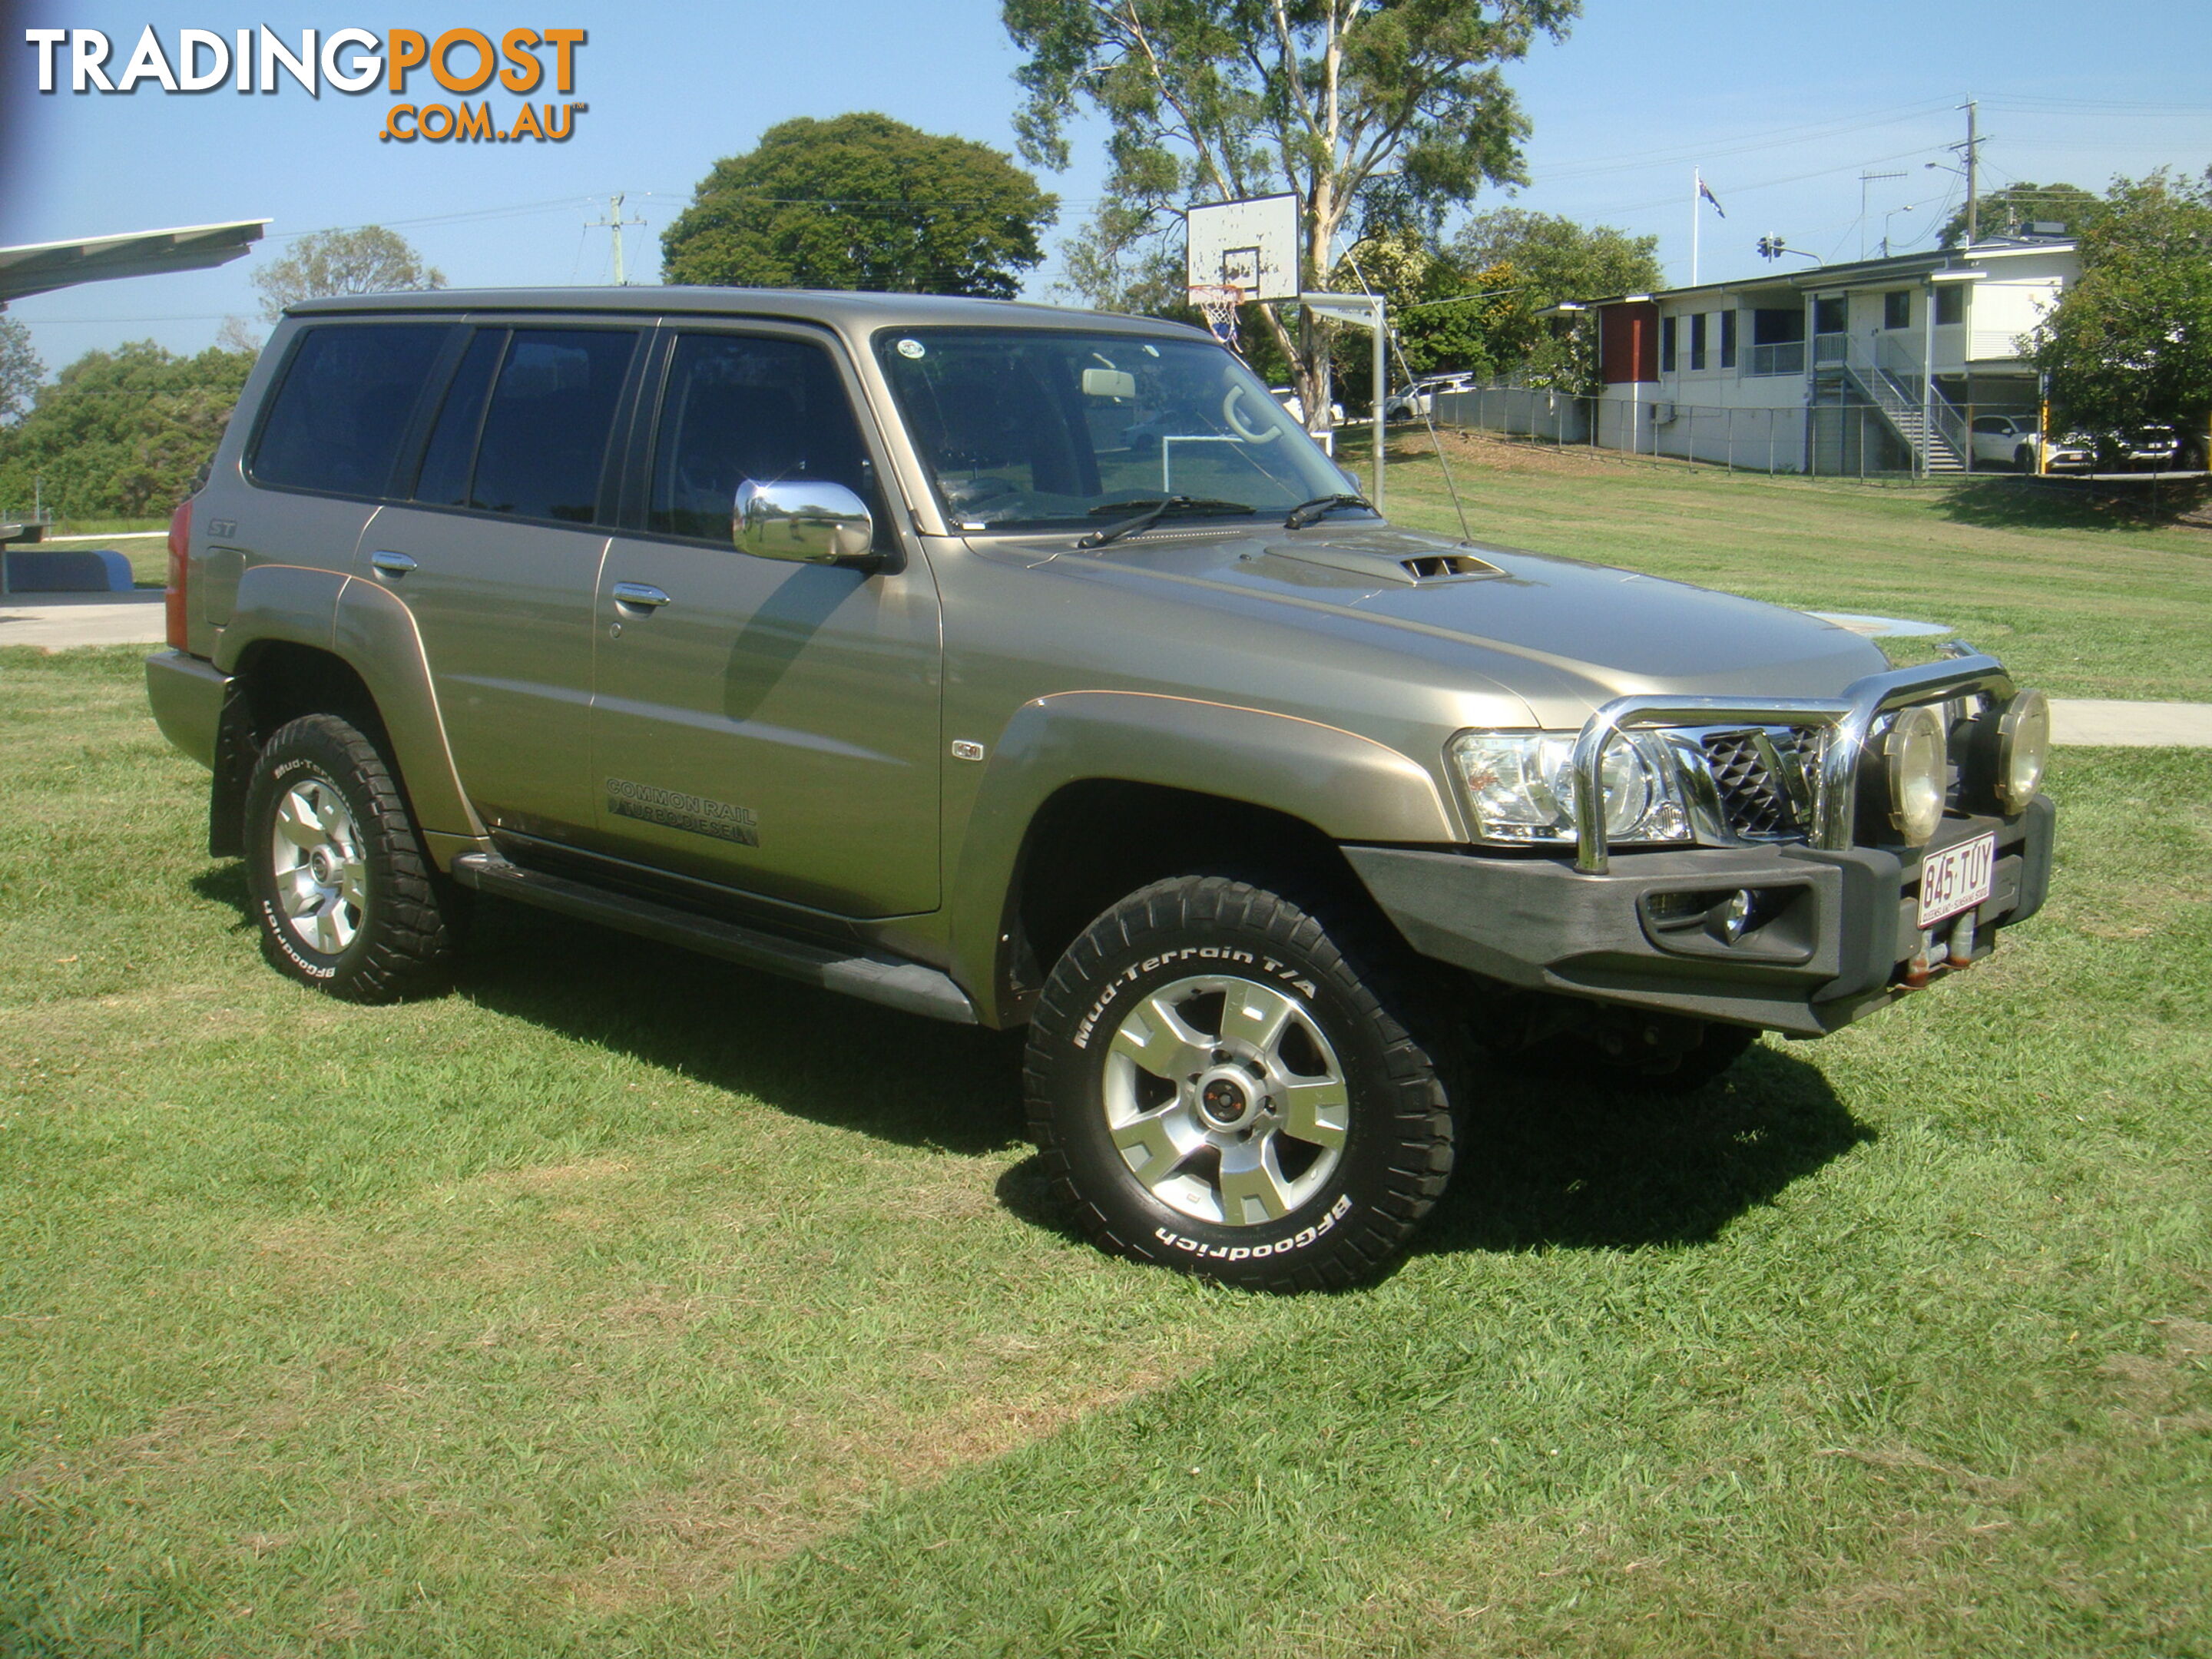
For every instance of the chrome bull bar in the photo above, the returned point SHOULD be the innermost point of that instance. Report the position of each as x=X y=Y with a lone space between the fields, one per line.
x=1845 y=723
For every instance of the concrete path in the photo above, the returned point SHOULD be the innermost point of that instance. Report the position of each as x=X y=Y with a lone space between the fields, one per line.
x=58 y=622
x=2096 y=722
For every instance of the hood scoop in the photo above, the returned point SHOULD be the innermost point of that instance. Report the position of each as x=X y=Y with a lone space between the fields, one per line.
x=1408 y=565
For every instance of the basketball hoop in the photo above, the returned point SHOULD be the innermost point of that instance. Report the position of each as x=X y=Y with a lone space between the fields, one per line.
x=1219 y=300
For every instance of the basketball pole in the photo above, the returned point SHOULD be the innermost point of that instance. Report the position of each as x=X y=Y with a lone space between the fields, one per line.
x=1362 y=311
x=1379 y=381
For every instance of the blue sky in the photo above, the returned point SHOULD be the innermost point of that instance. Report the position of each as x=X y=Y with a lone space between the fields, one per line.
x=1784 y=106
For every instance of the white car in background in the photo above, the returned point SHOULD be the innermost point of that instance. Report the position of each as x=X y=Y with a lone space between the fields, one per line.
x=2009 y=443
x=1288 y=396
x=1418 y=401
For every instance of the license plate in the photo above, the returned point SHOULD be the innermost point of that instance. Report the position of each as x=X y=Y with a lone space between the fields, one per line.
x=1957 y=878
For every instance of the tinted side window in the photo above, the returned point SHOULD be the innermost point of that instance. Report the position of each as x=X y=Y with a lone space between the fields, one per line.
x=336 y=421
x=736 y=408
x=447 y=459
x=545 y=435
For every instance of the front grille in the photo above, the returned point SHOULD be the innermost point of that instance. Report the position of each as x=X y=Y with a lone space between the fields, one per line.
x=1755 y=802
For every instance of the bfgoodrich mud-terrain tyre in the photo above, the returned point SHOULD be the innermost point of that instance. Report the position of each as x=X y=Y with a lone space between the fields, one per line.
x=1219 y=1082
x=346 y=900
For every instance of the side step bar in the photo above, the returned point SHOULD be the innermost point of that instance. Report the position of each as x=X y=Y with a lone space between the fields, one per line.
x=896 y=984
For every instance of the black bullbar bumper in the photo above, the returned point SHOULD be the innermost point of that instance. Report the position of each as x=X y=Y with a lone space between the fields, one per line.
x=1833 y=935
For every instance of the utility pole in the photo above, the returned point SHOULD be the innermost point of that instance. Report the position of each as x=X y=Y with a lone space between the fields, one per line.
x=1973 y=174
x=615 y=222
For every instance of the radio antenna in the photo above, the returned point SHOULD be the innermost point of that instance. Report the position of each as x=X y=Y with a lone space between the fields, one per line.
x=1428 y=412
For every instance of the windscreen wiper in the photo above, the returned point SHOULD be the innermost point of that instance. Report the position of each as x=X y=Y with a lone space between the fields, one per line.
x=1153 y=513
x=1320 y=507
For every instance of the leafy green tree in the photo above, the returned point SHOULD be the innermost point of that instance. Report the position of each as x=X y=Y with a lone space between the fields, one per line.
x=2129 y=342
x=121 y=432
x=21 y=370
x=862 y=202
x=2008 y=211
x=369 y=260
x=1554 y=258
x=1206 y=101
x=1476 y=303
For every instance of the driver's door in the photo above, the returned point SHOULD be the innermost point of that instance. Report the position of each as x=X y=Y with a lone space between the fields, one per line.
x=764 y=725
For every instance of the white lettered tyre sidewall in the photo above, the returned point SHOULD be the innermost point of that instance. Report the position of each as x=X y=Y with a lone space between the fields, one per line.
x=1143 y=1224
x=273 y=779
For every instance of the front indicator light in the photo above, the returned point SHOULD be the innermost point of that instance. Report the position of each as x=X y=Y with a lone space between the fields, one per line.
x=1918 y=772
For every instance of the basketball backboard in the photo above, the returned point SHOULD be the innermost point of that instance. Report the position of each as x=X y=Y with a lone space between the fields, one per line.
x=1251 y=244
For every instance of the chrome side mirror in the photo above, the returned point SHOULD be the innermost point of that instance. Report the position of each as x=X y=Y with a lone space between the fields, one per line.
x=803 y=519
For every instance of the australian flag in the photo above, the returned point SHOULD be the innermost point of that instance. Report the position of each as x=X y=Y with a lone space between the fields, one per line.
x=1706 y=191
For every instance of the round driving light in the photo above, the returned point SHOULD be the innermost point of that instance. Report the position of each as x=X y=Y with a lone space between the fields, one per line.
x=2023 y=747
x=1919 y=771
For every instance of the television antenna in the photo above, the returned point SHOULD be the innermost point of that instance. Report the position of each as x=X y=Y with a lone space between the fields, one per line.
x=1866 y=179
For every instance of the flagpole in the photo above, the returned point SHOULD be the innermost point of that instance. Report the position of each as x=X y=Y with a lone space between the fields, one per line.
x=1696 y=187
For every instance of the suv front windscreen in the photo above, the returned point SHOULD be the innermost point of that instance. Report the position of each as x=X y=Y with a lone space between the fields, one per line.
x=1035 y=429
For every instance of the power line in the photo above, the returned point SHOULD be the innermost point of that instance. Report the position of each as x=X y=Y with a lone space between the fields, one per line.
x=1803 y=134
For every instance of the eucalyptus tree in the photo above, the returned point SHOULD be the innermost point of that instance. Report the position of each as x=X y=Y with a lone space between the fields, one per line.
x=369 y=259
x=1331 y=100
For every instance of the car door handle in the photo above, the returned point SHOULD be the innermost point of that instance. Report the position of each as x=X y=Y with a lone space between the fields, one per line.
x=639 y=595
x=394 y=565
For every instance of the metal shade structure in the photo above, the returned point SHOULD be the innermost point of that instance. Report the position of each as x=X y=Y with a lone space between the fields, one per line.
x=42 y=267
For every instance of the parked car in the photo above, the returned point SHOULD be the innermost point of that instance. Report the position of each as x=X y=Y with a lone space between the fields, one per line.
x=2012 y=441
x=1289 y=398
x=1416 y=402
x=2151 y=449
x=843 y=636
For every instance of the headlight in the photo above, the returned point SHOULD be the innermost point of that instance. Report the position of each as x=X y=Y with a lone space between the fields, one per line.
x=1919 y=772
x=1520 y=786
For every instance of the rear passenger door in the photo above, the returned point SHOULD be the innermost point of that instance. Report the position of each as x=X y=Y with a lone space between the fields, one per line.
x=496 y=552
x=331 y=438
x=764 y=725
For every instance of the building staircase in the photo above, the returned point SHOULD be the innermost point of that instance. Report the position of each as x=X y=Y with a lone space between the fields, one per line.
x=1929 y=423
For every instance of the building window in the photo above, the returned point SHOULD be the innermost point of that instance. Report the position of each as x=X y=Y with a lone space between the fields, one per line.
x=1831 y=315
x=1897 y=308
x=1697 y=340
x=1728 y=339
x=1666 y=345
x=1950 y=302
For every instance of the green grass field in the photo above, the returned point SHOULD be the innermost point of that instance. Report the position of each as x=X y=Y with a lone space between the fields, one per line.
x=2080 y=601
x=622 y=1302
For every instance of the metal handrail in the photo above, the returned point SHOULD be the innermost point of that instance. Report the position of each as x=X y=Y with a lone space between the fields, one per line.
x=1847 y=721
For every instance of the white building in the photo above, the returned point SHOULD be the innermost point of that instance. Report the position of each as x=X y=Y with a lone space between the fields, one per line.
x=1873 y=367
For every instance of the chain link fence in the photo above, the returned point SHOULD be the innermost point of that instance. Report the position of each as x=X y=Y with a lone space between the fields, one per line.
x=1828 y=439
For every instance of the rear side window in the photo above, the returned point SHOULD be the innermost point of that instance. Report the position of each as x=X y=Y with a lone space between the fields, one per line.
x=336 y=421
x=545 y=432
x=740 y=408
